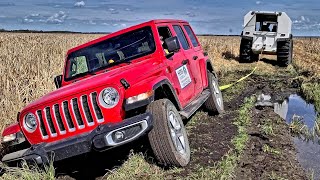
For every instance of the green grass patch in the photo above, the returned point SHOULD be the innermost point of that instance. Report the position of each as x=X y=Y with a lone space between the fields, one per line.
x=230 y=93
x=312 y=93
x=267 y=149
x=275 y=176
x=136 y=167
x=29 y=173
x=267 y=128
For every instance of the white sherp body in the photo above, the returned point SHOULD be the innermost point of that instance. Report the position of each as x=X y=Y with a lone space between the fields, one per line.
x=263 y=40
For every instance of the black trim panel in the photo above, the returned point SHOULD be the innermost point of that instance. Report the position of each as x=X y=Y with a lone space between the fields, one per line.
x=247 y=37
x=94 y=140
x=166 y=82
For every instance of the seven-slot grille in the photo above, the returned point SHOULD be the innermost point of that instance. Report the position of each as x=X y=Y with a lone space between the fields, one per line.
x=66 y=117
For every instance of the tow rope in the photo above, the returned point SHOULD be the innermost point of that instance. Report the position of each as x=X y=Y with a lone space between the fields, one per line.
x=244 y=77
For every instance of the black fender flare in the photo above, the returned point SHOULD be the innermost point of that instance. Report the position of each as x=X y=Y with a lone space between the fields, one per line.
x=175 y=96
x=210 y=67
x=149 y=100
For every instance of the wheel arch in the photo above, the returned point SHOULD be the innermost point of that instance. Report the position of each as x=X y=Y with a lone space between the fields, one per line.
x=208 y=66
x=164 y=89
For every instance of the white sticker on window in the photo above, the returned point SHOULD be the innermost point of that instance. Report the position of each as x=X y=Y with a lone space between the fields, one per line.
x=183 y=76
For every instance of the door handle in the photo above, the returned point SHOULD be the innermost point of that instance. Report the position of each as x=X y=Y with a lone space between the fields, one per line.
x=195 y=57
x=184 y=62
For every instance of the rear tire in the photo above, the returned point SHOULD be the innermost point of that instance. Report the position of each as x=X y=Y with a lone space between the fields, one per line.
x=168 y=138
x=215 y=101
x=246 y=54
x=284 y=52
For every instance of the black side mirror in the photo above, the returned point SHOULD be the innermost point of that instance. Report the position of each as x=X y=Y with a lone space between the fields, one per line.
x=58 y=81
x=172 y=43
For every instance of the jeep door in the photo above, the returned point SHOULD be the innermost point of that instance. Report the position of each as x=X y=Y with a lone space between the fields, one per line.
x=179 y=66
x=195 y=56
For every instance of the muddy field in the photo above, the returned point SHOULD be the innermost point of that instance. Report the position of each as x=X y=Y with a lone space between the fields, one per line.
x=267 y=155
x=222 y=147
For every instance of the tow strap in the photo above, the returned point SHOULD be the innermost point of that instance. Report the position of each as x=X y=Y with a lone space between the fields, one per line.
x=239 y=80
x=242 y=78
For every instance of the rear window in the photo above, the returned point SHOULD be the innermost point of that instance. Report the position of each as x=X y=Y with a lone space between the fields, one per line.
x=191 y=36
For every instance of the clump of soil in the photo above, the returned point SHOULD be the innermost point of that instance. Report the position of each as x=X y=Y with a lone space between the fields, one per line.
x=269 y=156
x=266 y=156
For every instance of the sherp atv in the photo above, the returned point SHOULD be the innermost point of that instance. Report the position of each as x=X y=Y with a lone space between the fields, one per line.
x=266 y=32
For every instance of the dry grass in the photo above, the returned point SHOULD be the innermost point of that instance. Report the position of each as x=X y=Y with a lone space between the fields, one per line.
x=307 y=56
x=29 y=62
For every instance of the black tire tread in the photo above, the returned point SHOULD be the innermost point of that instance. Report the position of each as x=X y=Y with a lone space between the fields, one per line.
x=159 y=136
x=246 y=54
x=284 y=52
x=209 y=104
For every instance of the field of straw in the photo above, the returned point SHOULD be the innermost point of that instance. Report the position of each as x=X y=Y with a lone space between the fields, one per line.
x=29 y=62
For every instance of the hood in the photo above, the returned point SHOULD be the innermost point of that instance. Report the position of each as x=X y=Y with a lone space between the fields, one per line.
x=131 y=72
x=78 y=87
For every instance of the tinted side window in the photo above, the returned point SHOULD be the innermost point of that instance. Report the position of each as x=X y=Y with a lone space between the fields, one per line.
x=164 y=33
x=181 y=37
x=191 y=36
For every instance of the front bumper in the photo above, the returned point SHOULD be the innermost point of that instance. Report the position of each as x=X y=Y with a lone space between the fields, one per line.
x=100 y=139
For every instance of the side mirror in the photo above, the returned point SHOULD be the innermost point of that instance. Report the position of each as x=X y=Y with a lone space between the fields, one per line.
x=58 y=81
x=172 y=44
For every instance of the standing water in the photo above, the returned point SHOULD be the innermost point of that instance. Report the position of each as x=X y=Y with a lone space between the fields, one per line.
x=308 y=151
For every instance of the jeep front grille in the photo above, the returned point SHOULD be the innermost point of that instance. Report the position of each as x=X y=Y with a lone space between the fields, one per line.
x=96 y=107
x=69 y=116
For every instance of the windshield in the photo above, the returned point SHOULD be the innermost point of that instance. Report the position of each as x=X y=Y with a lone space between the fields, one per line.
x=110 y=52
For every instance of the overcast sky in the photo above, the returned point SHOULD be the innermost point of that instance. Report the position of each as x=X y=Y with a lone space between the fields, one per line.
x=206 y=16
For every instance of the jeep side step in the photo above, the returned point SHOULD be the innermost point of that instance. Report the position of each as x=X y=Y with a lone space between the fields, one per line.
x=195 y=104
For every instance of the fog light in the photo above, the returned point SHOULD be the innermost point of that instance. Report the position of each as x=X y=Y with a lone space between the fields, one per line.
x=10 y=137
x=119 y=136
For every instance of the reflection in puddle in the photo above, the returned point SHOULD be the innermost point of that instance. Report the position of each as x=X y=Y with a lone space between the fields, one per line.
x=308 y=152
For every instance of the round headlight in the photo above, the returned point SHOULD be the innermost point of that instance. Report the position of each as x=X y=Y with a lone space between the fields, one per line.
x=109 y=97
x=30 y=122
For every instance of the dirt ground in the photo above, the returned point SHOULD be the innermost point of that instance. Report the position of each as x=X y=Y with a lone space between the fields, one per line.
x=210 y=139
x=270 y=156
x=257 y=162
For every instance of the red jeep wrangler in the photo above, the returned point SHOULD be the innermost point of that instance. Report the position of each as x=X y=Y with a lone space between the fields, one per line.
x=142 y=80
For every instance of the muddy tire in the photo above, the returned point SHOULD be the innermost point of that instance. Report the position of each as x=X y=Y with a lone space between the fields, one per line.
x=215 y=101
x=246 y=54
x=254 y=57
x=168 y=138
x=284 y=52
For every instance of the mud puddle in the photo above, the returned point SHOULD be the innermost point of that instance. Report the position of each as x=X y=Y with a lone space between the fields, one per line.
x=295 y=110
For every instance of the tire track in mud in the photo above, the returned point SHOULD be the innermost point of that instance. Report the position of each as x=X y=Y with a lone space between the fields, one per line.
x=210 y=136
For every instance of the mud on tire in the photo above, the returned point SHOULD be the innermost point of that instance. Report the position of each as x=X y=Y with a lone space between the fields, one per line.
x=246 y=54
x=284 y=52
x=168 y=138
x=215 y=101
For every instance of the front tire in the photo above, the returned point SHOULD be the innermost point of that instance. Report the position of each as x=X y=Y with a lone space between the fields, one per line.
x=246 y=54
x=168 y=138
x=284 y=52
x=215 y=101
